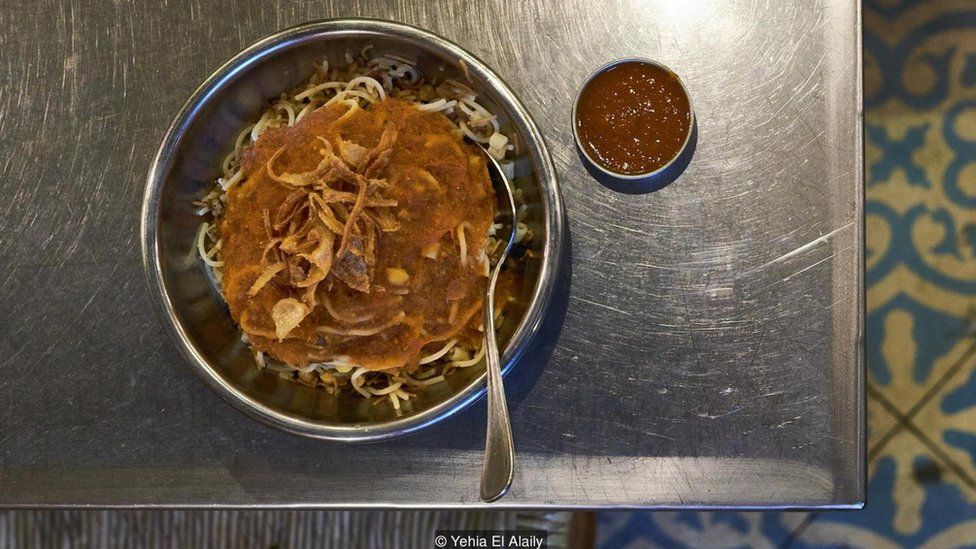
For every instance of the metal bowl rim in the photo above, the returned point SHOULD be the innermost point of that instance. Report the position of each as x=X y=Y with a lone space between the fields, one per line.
x=552 y=217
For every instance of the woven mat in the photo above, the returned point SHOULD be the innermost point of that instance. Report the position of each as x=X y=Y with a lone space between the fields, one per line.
x=265 y=529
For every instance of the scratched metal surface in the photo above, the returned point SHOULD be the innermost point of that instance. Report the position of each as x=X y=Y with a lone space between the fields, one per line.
x=706 y=351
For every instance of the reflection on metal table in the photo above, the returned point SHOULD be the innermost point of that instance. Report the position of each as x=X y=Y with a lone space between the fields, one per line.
x=705 y=349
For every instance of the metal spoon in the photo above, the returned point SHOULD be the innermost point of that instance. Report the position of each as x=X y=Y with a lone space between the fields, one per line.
x=499 y=466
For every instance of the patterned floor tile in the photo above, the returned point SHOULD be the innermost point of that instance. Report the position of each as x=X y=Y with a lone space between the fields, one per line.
x=884 y=423
x=914 y=355
x=949 y=420
x=912 y=366
x=915 y=500
x=956 y=413
x=911 y=349
x=714 y=530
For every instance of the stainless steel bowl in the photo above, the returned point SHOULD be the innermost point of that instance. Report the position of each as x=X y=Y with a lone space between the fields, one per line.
x=188 y=161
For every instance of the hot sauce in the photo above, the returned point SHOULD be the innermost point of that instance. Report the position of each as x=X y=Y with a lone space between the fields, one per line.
x=633 y=118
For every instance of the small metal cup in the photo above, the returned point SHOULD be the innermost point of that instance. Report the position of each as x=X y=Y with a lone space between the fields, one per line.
x=645 y=182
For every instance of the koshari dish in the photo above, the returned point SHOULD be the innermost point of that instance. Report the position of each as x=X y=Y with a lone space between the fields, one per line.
x=358 y=236
x=633 y=118
x=352 y=231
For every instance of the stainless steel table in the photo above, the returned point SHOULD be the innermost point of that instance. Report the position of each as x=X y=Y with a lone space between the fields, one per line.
x=706 y=349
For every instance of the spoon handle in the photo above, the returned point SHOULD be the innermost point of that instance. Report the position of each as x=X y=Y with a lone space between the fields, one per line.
x=499 y=448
